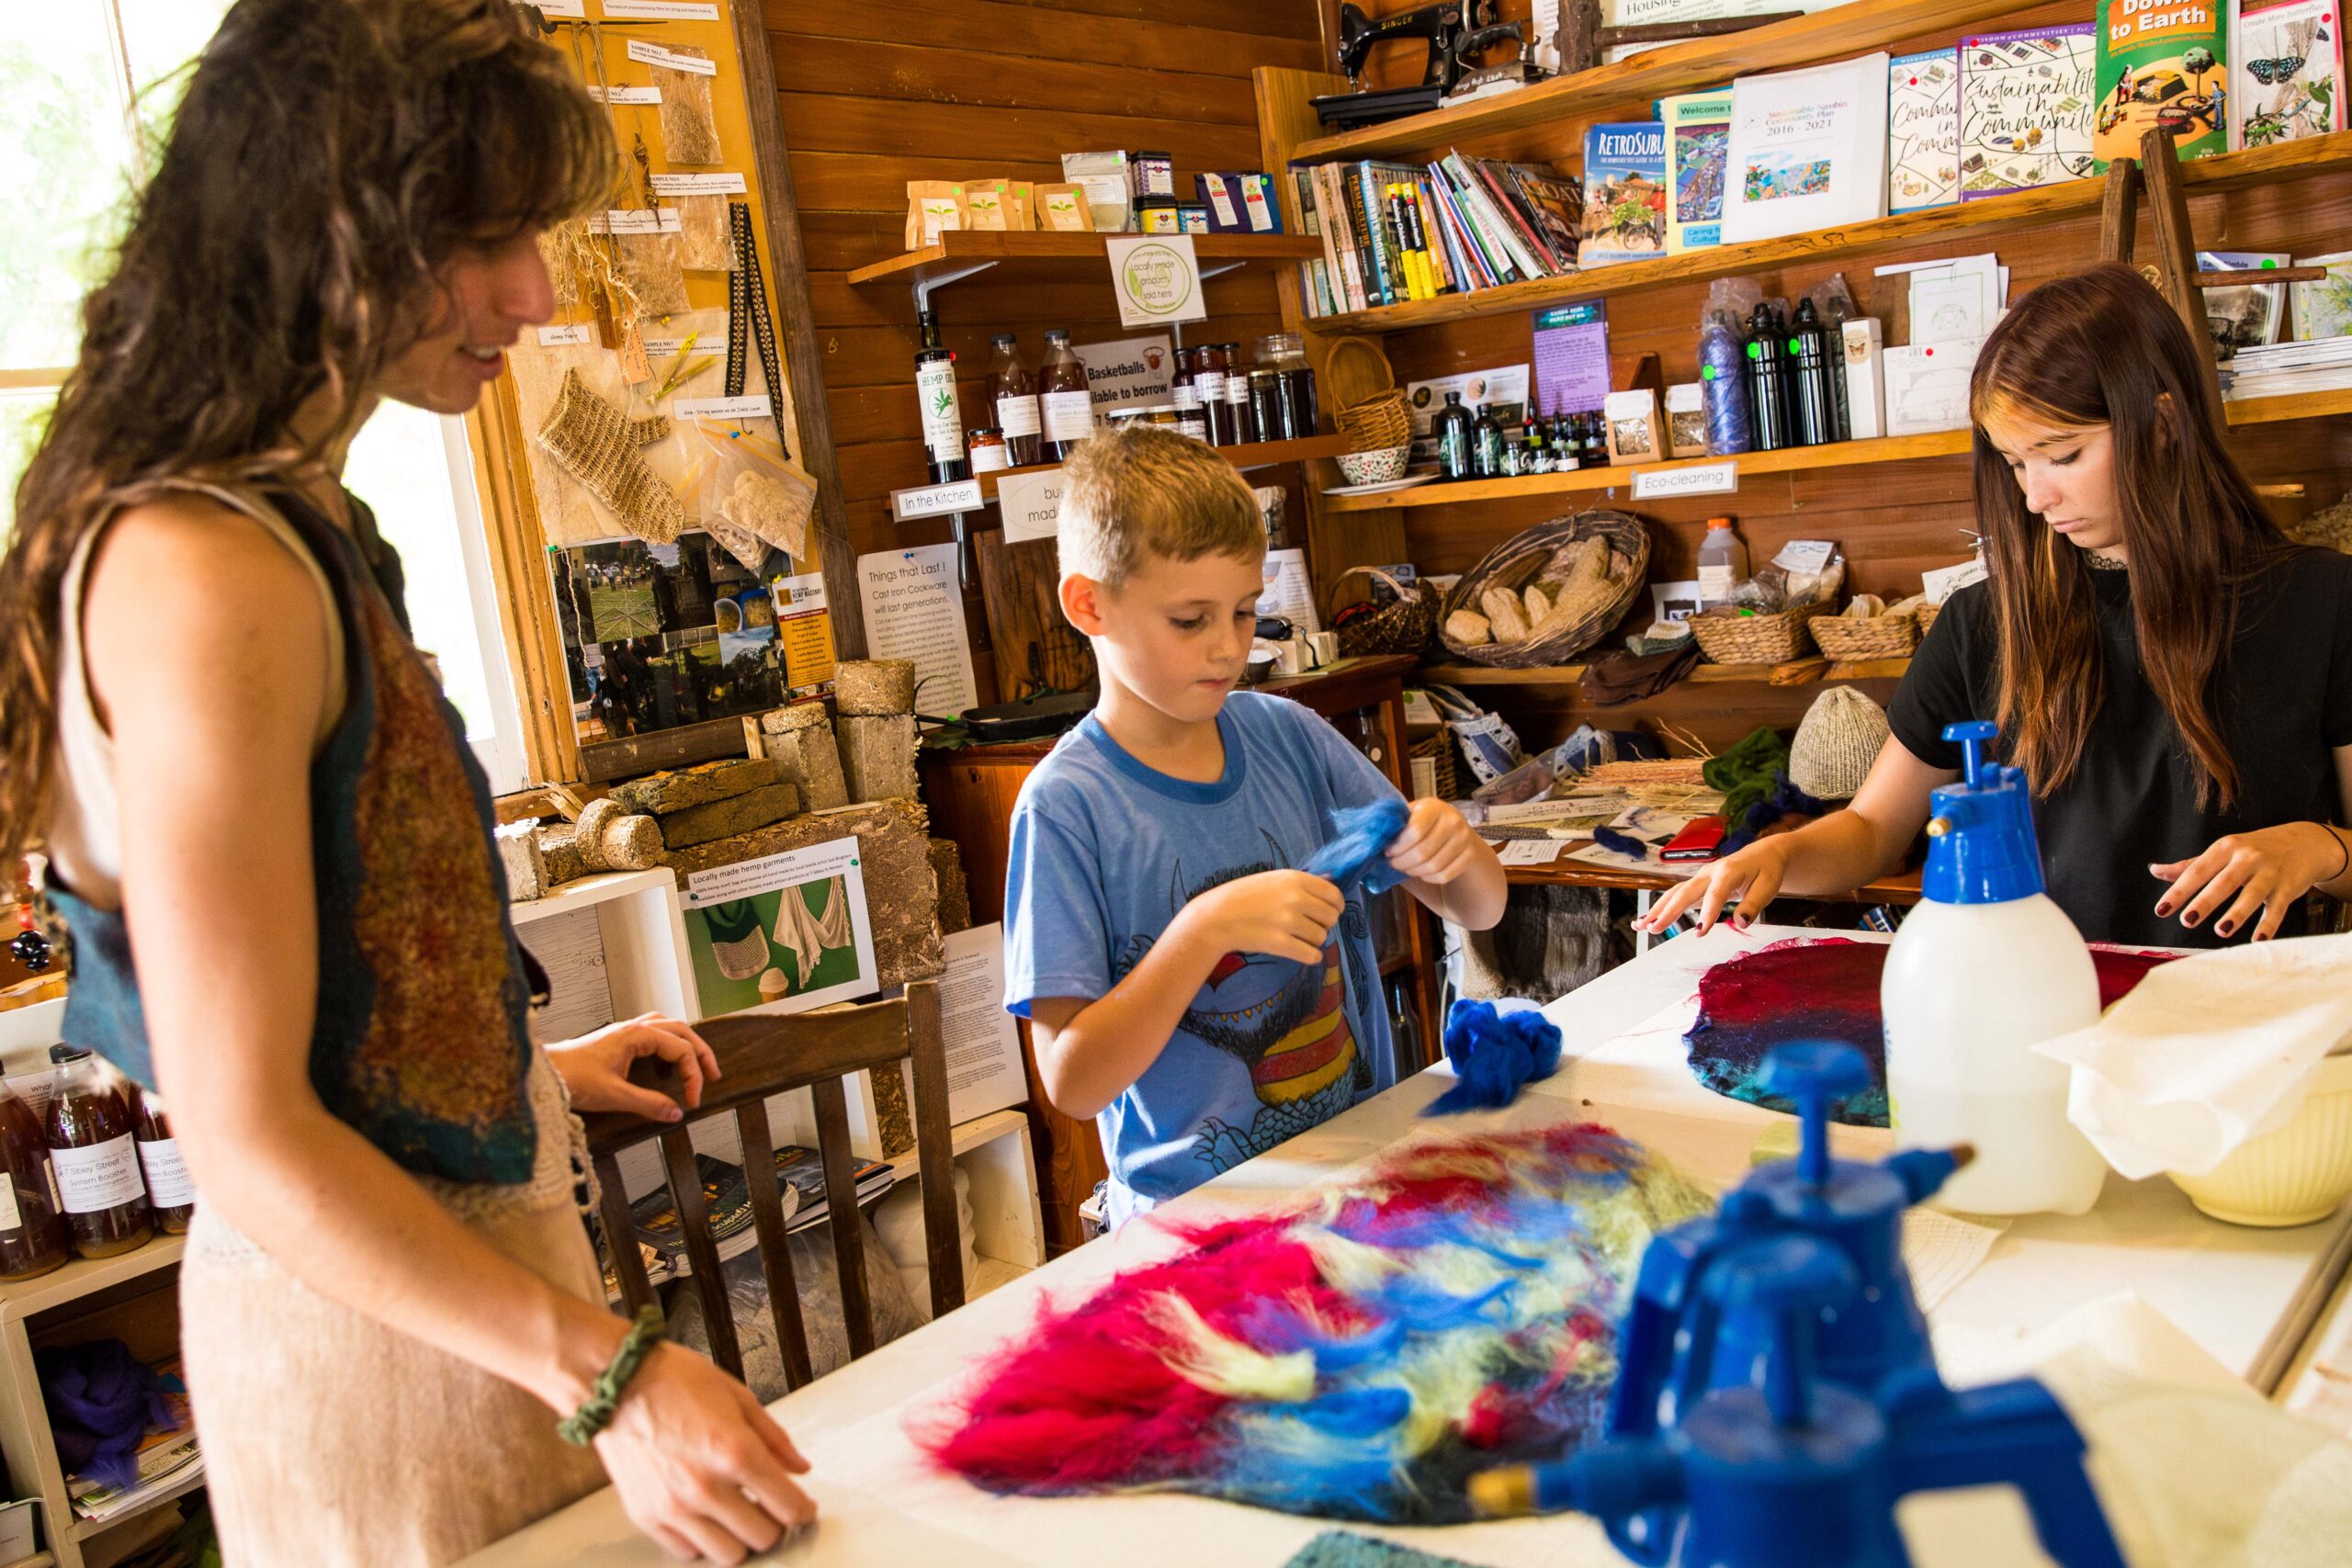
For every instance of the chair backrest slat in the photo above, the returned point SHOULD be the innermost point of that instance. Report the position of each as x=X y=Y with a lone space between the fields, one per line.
x=762 y=1055
x=841 y=1214
x=776 y=1255
x=702 y=1251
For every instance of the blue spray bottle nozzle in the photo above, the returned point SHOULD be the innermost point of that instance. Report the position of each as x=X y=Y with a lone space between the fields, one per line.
x=1814 y=1074
x=1974 y=736
x=1981 y=844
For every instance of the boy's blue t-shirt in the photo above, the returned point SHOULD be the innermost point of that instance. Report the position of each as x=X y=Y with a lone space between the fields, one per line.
x=1106 y=850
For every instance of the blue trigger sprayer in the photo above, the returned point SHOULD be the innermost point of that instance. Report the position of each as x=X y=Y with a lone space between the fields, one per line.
x=1777 y=1395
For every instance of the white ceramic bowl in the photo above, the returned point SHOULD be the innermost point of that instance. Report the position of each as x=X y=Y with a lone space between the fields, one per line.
x=1375 y=467
x=2292 y=1175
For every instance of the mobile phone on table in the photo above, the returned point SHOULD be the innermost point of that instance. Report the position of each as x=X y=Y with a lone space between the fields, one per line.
x=1700 y=841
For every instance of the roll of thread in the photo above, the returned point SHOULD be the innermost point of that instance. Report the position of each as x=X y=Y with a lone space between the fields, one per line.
x=1722 y=390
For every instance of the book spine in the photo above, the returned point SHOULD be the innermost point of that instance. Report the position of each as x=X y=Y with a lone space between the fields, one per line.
x=1497 y=227
x=1319 y=277
x=1474 y=260
x=1441 y=260
x=1499 y=256
x=1363 y=205
x=1339 y=241
x=1504 y=202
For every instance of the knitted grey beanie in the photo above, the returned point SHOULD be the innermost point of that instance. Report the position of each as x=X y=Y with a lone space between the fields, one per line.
x=1837 y=744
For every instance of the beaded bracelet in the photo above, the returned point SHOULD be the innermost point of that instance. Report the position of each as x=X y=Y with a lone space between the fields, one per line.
x=595 y=1412
x=2343 y=843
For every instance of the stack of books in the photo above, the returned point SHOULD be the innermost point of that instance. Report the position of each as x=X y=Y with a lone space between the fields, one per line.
x=168 y=1457
x=1396 y=233
x=2279 y=369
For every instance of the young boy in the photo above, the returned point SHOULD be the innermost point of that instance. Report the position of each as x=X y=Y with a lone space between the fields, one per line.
x=1185 y=986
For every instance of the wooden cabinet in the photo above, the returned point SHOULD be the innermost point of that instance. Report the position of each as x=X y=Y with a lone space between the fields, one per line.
x=971 y=792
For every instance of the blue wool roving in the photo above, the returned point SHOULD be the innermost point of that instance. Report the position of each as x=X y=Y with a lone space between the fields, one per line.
x=1493 y=1053
x=1359 y=837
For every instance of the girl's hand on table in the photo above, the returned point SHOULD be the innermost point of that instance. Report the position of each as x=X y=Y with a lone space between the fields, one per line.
x=698 y=1464
x=1437 y=845
x=2266 y=872
x=1752 y=876
x=595 y=1067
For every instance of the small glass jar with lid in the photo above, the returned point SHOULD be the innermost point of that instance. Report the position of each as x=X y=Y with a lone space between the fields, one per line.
x=1268 y=420
x=988 y=450
x=1285 y=354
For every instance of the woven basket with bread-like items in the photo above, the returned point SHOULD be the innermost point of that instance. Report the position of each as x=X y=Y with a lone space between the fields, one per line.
x=1756 y=639
x=1583 y=572
x=1879 y=637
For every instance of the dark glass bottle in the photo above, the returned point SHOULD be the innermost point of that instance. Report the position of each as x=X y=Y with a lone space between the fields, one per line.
x=1209 y=367
x=1833 y=348
x=1567 y=452
x=34 y=1237
x=1066 y=405
x=1816 y=415
x=1456 y=444
x=1768 y=408
x=1013 y=393
x=943 y=414
x=95 y=1156
x=170 y=1193
x=1236 y=395
x=1486 y=444
x=1596 y=441
x=1535 y=456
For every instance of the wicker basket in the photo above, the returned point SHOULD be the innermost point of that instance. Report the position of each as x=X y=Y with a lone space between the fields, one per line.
x=1756 y=639
x=1381 y=420
x=1523 y=559
x=1438 y=746
x=1402 y=625
x=1881 y=637
x=1927 y=615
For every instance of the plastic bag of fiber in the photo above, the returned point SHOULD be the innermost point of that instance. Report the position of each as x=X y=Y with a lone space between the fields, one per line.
x=1493 y=1048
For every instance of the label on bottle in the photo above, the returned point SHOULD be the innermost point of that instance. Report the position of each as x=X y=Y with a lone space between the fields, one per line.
x=1069 y=416
x=942 y=420
x=103 y=1176
x=1209 y=386
x=1186 y=396
x=10 y=1218
x=1236 y=390
x=1017 y=416
x=1716 y=583
x=168 y=1186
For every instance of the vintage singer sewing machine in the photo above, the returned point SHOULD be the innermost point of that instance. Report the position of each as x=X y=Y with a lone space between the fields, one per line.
x=1454 y=35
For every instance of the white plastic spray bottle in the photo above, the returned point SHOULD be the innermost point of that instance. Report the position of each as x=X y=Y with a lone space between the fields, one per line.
x=1983 y=969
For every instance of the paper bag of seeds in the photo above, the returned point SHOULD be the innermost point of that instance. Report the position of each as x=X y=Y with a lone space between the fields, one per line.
x=933 y=208
x=1062 y=208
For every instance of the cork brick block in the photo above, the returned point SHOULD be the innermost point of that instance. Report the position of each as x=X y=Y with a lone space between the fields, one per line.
x=518 y=851
x=725 y=818
x=808 y=759
x=955 y=899
x=875 y=688
x=878 y=756
x=560 y=849
x=796 y=715
x=630 y=841
x=664 y=795
x=894 y=857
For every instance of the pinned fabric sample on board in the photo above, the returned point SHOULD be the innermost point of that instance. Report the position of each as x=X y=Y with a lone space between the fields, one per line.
x=703 y=244
x=1357 y=1356
x=599 y=445
x=689 y=127
x=649 y=264
x=807 y=935
x=1803 y=989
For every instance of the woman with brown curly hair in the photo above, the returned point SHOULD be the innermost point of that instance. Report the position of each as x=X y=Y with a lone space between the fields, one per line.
x=2174 y=677
x=271 y=846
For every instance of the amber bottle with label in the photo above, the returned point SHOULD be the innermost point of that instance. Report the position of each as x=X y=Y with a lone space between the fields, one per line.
x=93 y=1149
x=1013 y=393
x=1066 y=405
x=33 y=1235
x=170 y=1193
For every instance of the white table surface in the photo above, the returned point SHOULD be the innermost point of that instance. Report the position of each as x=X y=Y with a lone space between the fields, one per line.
x=2246 y=1295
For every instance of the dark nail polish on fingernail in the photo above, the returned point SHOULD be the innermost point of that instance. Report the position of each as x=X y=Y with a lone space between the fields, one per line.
x=2191 y=918
x=2163 y=910
x=2224 y=929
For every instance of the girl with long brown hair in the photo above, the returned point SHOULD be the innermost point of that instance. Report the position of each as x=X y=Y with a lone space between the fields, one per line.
x=2173 y=675
x=271 y=845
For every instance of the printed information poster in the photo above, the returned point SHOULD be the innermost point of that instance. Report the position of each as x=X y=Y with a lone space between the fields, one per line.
x=783 y=933
x=914 y=609
x=804 y=630
x=1502 y=389
x=1158 y=278
x=984 y=1071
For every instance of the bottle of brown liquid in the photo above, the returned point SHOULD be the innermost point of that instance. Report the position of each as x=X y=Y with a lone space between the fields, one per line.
x=1068 y=406
x=1013 y=393
x=33 y=1235
x=93 y=1150
x=170 y=1193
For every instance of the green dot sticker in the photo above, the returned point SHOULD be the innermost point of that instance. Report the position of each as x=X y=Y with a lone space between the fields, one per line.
x=1792 y=346
x=1706 y=373
x=1756 y=351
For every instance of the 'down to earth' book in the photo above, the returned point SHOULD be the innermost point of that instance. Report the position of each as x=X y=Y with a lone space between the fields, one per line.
x=2025 y=110
x=1698 y=144
x=1625 y=193
x=1923 y=131
x=1808 y=149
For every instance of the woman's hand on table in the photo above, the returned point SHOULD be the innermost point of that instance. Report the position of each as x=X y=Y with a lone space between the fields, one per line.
x=698 y=1465
x=595 y=1067
x=1752 y=876
x=2264 y=873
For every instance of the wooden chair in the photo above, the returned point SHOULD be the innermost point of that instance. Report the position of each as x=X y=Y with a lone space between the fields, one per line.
x=765 y=1054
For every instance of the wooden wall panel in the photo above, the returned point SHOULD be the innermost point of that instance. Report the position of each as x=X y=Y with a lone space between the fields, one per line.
x=874 y=96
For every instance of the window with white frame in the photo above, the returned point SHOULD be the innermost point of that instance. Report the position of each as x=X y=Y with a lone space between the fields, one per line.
x=86 y=89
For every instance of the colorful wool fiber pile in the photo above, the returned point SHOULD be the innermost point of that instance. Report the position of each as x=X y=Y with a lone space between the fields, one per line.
x=1358 y=1359
x=1804 y=989
x=1493 y=1054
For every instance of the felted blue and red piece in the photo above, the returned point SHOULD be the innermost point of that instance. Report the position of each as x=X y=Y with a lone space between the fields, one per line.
x=1808 y=990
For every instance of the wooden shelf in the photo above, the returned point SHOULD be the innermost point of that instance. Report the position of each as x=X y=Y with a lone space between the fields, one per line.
x=1056 y=257
x=1792 y=459
x=85 y=1276
x=1705 y=675
x=1969 y=220
x=1251 y=455
x=1527 y=123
